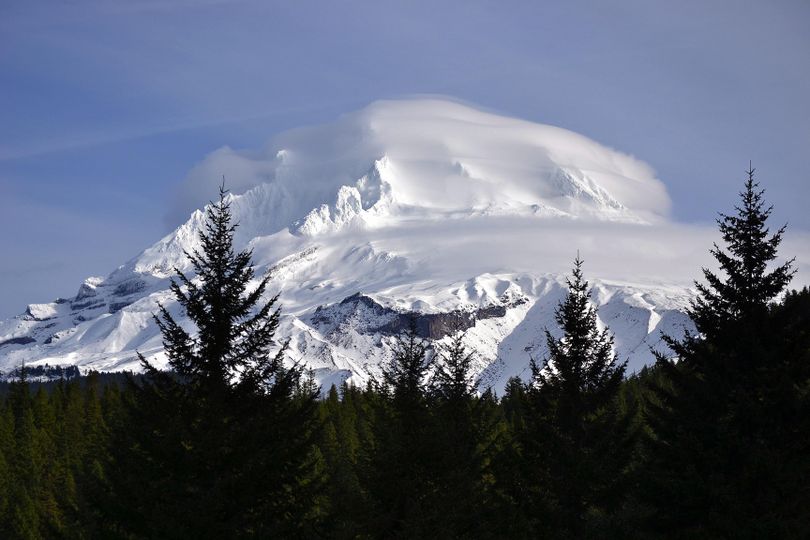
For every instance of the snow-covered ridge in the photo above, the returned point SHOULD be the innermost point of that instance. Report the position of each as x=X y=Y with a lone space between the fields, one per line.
x=421 y=208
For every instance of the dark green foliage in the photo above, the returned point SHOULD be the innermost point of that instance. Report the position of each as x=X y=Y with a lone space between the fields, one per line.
x=398 y=472
x=50 y=385
x=233 y=443
x=512 y=510
x=749 y=283
x=726 y=420
x=49 y=446
x=407 y=458
x=577 y=444
x=231 y=352
x=223 y=445
x=453 y=380
x=405 y=377
x=467 y=436
x=345 y=435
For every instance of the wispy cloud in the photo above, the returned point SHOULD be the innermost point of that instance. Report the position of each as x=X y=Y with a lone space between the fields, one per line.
x=108 y=136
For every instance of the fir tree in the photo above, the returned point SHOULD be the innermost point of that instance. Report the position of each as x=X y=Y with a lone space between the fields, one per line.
x=340 y=446
x=225 y=444
x=232 y=351
x=749 y=283
x=25 y=516
x=723 y=420
x=398 y=473
x=581 y=371
x=789 y=430
x=7 y=447
x=513 y=509
x=405 y=376
x=452 y=380
x=577 y=441
x=465 y=439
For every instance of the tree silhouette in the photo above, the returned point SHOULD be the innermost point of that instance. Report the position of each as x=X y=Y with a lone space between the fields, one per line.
x=222 y=444
x=723 y=417
x=578 y=444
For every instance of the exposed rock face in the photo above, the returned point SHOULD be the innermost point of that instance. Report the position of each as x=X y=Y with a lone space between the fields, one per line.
x=388 y=322
x=22 y=340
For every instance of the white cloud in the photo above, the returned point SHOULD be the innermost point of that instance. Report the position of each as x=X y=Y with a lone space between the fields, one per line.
x=447 y=155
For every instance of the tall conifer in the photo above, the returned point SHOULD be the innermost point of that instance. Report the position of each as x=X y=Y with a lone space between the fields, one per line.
x=724 y=420
x=465 y=439
x=225 y=440
x=398 y=470
x=578 y=444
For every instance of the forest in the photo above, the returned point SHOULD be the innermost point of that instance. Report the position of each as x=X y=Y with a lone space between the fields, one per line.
x=234 y=441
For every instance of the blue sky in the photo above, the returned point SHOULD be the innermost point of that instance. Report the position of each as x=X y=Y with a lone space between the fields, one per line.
x=106 y=105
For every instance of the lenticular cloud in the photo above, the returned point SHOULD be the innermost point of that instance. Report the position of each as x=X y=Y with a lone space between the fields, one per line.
x=449 y=157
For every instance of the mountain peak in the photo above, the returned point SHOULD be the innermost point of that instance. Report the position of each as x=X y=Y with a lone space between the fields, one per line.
x=440 y=157
x=422 y=208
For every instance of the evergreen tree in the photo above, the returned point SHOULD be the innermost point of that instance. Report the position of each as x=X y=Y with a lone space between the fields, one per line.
x=749 y=283
x=341 y=447
x=25 y=516
x=405 y=376
x=398 y=472
x=578 y=445
x=466 y=436
x=515 y=403
x=452 y=380
x=724 y=419
x=56 y=489
x=232 y=351
x=7 y=447
x=83 y=447
x=512 y=507
x=224 y=443
x=789 y=468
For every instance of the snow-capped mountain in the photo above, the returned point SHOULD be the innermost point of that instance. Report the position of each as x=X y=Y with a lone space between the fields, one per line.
x=463 y=218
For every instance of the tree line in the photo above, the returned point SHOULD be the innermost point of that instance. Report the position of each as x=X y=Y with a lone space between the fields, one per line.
x=232 y=441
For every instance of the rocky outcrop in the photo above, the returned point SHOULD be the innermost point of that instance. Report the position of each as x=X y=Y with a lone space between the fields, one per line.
x=368 y=316
x=22 y=340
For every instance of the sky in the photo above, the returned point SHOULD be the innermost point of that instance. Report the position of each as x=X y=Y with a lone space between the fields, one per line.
x=107 y=105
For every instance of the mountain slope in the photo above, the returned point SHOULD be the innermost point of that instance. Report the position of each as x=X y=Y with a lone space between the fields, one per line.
x=426 y=208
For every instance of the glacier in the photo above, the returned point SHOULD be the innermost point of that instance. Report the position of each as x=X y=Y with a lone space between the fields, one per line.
x=429 y=209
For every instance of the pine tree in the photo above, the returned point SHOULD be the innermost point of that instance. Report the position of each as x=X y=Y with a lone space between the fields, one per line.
x=397 y=473
x=7 y=445
x=577 y=441
x=789 y=411
x=465 y=439
x=581 y=370
x=56 y=490
x=729 y=310
x=232 y=351
x=512 y=509
x=405 y=376
x=25 y=518
x=721 y=420
x=453 y=379
x=749 y=284
x=225 y=441
x=340 y=446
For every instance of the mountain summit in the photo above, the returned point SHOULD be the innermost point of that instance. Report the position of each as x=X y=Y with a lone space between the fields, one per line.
x=441 y=157
x=419 y=208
